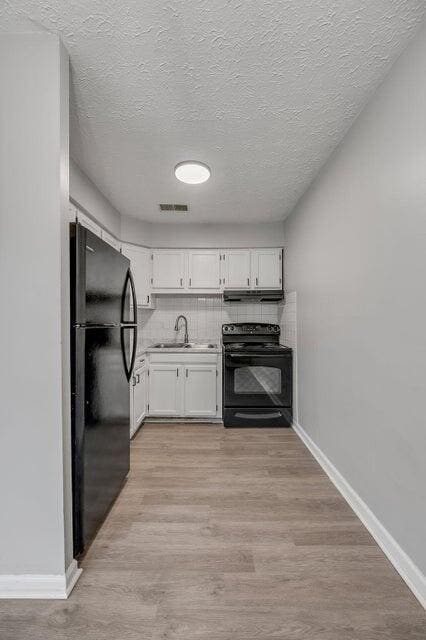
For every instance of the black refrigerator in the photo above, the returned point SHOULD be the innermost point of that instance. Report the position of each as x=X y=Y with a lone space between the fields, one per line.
x=103 y=349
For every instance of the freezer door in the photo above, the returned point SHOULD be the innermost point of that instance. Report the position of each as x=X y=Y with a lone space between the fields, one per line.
x=102 y=288
x=101 y=423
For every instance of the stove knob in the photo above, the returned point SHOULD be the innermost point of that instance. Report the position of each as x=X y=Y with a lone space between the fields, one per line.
x=269 y=328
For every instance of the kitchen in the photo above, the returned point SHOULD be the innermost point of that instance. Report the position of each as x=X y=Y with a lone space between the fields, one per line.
x=221 y=447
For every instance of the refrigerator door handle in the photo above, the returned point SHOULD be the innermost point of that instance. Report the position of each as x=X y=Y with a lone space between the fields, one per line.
x=129 y=326
x=129 y=368
x=129 y=278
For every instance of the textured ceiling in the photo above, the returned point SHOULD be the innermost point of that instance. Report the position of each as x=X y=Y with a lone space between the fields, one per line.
x=260 y=91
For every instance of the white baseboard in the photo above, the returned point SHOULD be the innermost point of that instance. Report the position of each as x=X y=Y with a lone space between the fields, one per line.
x=406 y=568
x=45 y=587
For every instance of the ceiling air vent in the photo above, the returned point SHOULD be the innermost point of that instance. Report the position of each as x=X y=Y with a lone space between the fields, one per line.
x=173 y=207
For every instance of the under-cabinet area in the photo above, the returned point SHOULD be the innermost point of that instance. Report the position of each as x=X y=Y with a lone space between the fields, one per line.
x=176 y=385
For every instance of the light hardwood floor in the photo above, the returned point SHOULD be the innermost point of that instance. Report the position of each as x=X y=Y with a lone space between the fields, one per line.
x=226 y=535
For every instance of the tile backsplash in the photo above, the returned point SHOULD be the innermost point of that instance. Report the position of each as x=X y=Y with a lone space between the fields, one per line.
x=288 y=321
x=205 y=317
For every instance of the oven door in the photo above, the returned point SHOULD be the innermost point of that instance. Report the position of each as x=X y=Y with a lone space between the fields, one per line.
x=257 y=380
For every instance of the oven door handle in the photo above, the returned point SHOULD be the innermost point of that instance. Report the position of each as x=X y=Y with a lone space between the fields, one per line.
x=252 y=355
x=234 y=359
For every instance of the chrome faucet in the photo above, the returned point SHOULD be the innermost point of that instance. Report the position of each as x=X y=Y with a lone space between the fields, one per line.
x=186 y=338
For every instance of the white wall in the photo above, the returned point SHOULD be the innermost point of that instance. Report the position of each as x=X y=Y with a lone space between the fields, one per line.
x=136 y=231
x=86 y=194
x=34 y=336
x=202 y=235
x=356 y=256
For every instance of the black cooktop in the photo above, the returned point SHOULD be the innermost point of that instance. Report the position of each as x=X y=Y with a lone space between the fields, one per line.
x=256 y=347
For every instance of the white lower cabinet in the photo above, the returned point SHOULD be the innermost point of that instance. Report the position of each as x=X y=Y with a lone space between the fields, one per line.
x=184 y=385
x=165 y=389
x=200 y=397
x=138 y=397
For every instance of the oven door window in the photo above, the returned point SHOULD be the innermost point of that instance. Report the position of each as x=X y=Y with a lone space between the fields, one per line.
x=258 y=380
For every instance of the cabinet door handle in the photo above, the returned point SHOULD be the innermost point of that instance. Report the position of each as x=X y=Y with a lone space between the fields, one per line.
x=147 y=299
x=224 y=281
x=177 y=373
x=190 y=280
x=248 y=282
x=133 y=381
x=257 y=281
x=138 y=378
x=181 y=281
x=186 y=372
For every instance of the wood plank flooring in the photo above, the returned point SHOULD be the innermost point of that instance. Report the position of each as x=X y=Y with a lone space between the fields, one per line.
x=226 y=535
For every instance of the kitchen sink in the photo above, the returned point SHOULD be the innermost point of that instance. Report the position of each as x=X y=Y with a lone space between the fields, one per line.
x=200 y=345
x=169 y=345
x=184 y=345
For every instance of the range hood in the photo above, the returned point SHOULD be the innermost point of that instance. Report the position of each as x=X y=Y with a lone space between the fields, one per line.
x=253 y=295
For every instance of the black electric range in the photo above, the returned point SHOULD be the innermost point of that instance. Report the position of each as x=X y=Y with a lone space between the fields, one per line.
x=257 y=376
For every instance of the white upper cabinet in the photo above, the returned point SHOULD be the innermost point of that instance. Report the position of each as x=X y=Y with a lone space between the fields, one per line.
x=108 y=237
x=204 y=269
x=236 y=269
x=140 y=265
x=168 y=269
x=266 y=268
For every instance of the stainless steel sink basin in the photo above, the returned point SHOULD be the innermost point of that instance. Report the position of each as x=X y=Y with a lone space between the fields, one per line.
x=200 y=345
x=168 y=345
x=184 y=345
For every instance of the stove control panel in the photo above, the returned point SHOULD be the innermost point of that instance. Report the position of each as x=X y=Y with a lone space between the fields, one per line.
x=250 y=329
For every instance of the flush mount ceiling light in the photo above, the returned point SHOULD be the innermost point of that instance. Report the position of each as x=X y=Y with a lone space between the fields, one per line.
x=192 y=172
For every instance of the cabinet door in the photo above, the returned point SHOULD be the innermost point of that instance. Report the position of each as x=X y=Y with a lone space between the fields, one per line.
x=140 y=264
x=204 y=269
x=266 y=268
x=200 y=397
x=139 y=396
x=108 y=237
x=165 y=390
x=236 y=269
x=89 y=223
x=168 y=269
